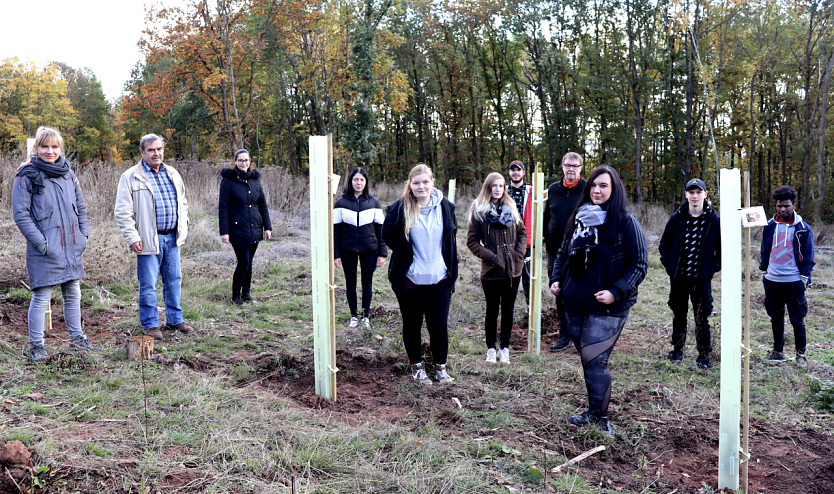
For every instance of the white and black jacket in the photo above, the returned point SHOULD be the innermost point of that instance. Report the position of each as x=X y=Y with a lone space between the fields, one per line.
x=357 y=226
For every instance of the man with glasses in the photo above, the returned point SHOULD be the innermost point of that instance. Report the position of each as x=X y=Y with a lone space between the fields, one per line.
x=787 y=260
x=152 y=212
x=562 y=199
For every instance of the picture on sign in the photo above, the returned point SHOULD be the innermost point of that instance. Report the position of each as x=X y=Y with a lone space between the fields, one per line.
x=754 y=216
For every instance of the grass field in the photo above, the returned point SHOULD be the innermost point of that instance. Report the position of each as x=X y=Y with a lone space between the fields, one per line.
x=232 y=408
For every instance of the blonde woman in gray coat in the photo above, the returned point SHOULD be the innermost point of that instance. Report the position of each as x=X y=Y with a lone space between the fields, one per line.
x=49 y=210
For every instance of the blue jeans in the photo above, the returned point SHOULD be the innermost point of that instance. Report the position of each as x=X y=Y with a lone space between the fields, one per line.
x=71 y=291
x=148 y=269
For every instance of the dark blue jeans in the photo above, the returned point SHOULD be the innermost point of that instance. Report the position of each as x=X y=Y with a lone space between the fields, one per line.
x=777 y=297
x=594 y=336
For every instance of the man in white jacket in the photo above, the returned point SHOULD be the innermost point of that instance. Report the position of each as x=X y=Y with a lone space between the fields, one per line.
x=152 y=212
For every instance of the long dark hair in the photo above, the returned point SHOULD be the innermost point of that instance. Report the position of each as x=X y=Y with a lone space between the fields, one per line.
x=366 y=192
x=616 y=206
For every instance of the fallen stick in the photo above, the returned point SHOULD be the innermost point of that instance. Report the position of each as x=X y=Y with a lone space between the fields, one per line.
x=578 y=459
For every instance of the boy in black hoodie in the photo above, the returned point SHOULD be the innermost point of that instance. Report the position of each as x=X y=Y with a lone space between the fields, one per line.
x=690 y=250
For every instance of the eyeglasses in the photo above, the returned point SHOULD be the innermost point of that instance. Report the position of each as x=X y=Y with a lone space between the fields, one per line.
x=572 y=166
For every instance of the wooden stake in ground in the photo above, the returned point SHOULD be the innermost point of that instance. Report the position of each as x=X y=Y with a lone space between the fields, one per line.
x=321 y=252
x=578 y=459
x=731 y=265
x=139 y=347
x=534 y=322
x=452 y=183
x=745 y=402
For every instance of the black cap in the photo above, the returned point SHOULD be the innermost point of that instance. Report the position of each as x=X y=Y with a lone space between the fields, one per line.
x=518 y=164
x=696 y=182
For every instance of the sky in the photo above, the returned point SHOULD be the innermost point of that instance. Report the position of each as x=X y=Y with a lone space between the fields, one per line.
x=98 y=34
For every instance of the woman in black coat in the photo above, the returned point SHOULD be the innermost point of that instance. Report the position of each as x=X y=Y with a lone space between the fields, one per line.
x=357 y=241
x=244 y=220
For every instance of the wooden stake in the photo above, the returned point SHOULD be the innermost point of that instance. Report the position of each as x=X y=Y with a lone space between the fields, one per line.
x=139 y=347
x=745 y=400
x=47 y=319
x=537 y=274
x=578 y=459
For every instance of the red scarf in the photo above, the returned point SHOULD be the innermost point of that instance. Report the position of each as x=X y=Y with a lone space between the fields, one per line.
x=570 y=185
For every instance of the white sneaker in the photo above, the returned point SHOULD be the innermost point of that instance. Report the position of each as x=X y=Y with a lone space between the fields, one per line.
x=504 y=355
x=491 y=356
x=366 y=324
x=418 y=373
x=354 y=323
x=442 y=376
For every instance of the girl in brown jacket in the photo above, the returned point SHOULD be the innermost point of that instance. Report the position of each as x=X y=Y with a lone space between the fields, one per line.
x=497 y=236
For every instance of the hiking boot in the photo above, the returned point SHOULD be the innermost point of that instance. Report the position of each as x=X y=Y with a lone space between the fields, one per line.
x=504 y=355
x=365 y=323
x=702 y=362
x=491 y=356
x=247 y=298
x=154 y=332
x=801 y=361
x=442 y=376
x=354 y=322
x=675 y=355
x=181 y=327
x=37 y=353
x=604 y=426
x=237 y=301
x=418 y=373
x=561 y=343
x=584 y=419
x=81 y=344
x=775 y=357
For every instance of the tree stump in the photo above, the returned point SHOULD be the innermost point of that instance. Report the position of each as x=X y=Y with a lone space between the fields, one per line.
x=139 y=347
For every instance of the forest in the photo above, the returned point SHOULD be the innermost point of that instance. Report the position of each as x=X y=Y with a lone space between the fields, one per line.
x=662 y=91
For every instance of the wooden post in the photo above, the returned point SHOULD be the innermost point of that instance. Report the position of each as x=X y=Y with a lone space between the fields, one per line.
x=47 y=319
x=731 y=247
x=745 y=401
x=140 y=347
x=452 y=184
x=321 y=251
x=534 y=322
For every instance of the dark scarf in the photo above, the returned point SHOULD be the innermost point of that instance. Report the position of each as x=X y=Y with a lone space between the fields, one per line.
x=38 y=168
x=244 y=175
x=585 y=236
x=498 y=215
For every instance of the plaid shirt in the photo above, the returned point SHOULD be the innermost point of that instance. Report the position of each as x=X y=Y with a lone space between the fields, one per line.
x=165 y=197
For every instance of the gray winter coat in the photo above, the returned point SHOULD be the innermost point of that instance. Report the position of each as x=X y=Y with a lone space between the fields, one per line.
x=58 y=217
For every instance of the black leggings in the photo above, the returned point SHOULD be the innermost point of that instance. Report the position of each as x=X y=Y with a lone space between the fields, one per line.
x=367 y=260
x=499 y=293
x=242 y=278
x=431 y=302
x=595 y=336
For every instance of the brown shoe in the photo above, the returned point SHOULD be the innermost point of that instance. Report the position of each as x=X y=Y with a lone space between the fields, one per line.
x=181 y=327
x=155 y=332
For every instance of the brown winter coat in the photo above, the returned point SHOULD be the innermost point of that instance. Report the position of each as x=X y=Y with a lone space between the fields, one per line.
x=509 y=243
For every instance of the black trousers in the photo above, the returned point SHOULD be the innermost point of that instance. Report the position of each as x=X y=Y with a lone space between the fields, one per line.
x=560 y=307
x=367 y=260
x=499 y=293
x=242 y=279
x=681 y=292
x=595 y=336
x=777 y=296
x=432 y=303
x=525 y=276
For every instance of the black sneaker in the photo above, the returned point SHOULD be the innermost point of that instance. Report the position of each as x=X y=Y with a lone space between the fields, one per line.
x=237 y=301
x=584 y=419
x=675 y=355
x=604 y=426
x=560 y=344
x=775 y=357
x=37 y=353
x=702 y=362
x=247 y=298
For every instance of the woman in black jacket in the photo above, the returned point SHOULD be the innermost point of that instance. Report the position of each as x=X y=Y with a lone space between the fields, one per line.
x=420 y=230
x=600 y=264
x=498 y=237
x=357 y=240
x=244 y=220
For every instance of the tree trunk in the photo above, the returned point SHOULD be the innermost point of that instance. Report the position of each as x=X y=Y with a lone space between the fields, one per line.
x=821 y=148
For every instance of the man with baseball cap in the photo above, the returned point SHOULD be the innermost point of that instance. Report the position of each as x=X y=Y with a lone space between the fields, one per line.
x=522 y=193
x=690 y=250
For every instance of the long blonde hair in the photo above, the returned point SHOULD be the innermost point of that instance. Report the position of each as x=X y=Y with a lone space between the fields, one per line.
x=411 y=208
x=481 y=204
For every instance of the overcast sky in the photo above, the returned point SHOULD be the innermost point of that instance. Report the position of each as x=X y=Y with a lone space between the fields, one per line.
x=98 y=34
